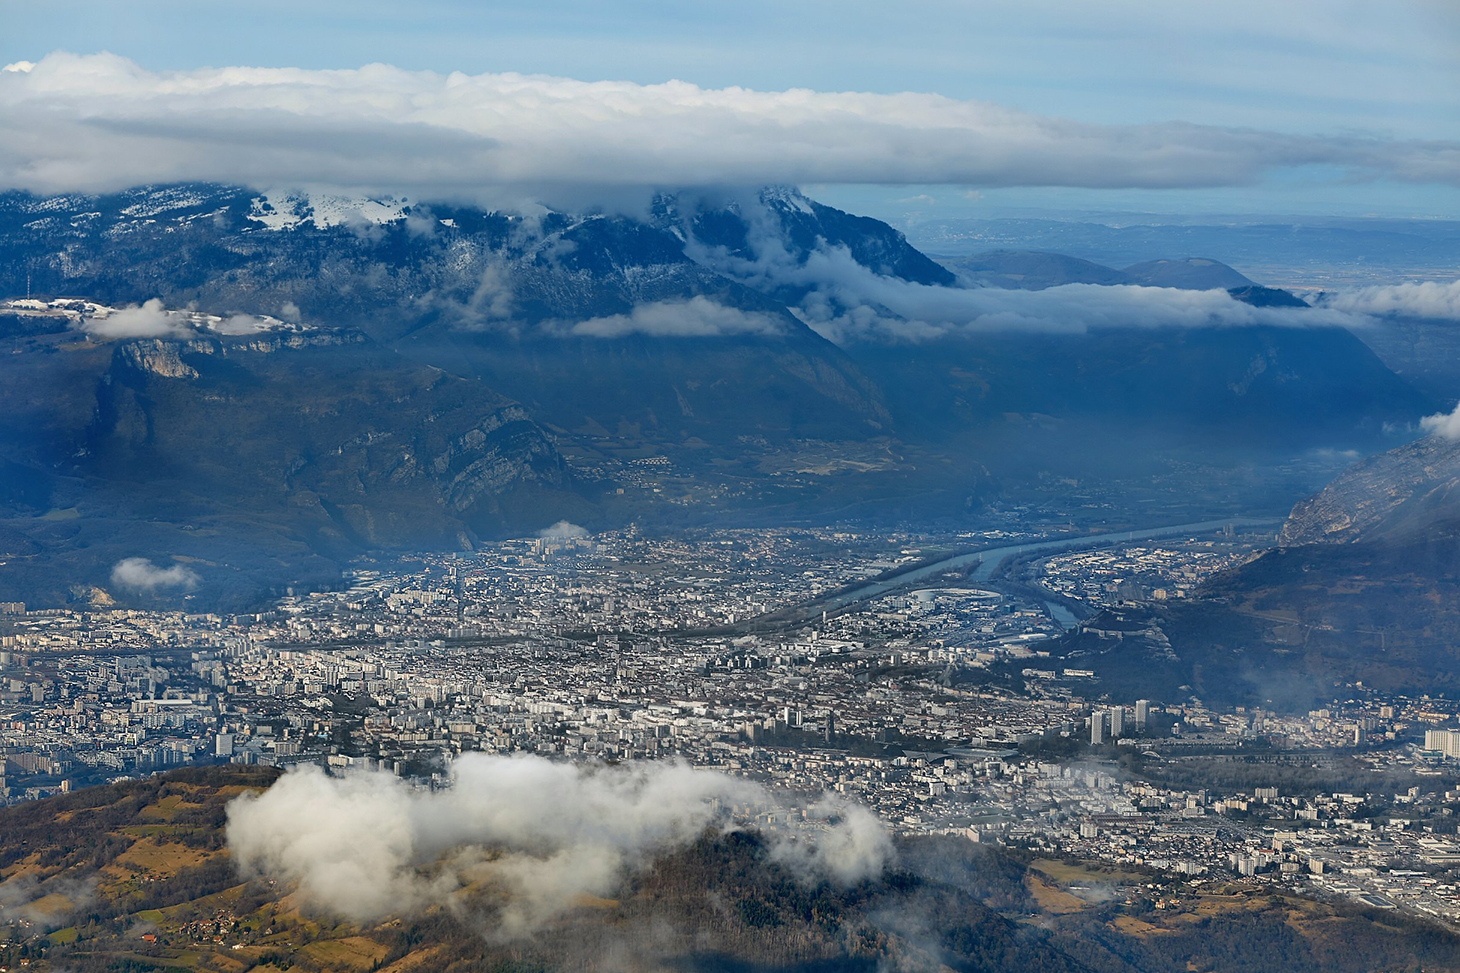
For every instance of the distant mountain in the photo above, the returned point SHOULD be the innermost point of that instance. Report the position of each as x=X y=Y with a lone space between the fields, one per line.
x=1252 y=389
x=1192 y=273
x=1038 y=270
x=587 y=343
x=1035 y=270
x=1354 y=251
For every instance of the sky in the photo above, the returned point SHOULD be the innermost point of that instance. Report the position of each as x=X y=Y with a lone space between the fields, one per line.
x=1300 y=106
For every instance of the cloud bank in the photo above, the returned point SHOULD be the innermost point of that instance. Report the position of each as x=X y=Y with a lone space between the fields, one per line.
x=539 y=834
x=846 y=310
x=846 y=302
x=152 y=319
x=698 y=317
x=101 y=122
x=1424 y=300
x=140 y=574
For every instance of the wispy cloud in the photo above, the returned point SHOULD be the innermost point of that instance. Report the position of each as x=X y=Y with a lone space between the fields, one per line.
x=102 y=122
x=563 y=530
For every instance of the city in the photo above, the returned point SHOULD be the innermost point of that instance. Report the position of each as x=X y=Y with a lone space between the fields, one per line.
x=748 y=487
x=936 y=704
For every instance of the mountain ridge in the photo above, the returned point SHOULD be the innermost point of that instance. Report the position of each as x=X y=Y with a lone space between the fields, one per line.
x=679 y=335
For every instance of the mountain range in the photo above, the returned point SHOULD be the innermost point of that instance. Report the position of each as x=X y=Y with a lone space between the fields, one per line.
x=1037 y=269
x=385 y=374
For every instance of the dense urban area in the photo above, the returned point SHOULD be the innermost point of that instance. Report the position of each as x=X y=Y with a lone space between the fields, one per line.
x=900 y=670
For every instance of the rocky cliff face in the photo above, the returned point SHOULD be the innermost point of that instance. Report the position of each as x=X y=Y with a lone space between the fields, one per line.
x=1401 y=492
x=393 y=452
x=266 y=458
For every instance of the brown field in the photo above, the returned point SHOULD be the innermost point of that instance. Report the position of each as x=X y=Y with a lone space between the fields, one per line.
x=1131 y=926
x=151 y=855
x=29 y=865
x=167 y=808
x=1052 y=899
x=1069 y=873
x=350 y=953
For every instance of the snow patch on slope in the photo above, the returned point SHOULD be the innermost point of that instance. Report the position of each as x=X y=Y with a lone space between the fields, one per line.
x=284 y=210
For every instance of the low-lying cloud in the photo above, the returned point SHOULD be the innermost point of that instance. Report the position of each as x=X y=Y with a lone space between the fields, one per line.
x=697 y=317
x=44 y=905
x=149 y=320
x=540 y=834
x=1446 y=425
x=563 y=530
x=846 y=302
x=1430 y=299
x=141 y=575
x=848 y=311
x=101 y=122
x=240 y=324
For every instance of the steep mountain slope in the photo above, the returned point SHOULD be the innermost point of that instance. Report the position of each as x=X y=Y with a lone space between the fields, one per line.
x=1116 y=395
x=1407 y=494
x=1425 y=352
x=290 y=446
x=778 y=229
x=1364 y=590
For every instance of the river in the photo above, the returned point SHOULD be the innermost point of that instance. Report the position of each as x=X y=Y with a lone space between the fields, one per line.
x=989 y=560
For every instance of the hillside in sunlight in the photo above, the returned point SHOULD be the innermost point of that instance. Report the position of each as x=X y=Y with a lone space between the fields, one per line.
x=136 y=877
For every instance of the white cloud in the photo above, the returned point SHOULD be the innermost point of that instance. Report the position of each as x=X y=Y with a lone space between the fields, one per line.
x=240 y=324
x=100 y=122
x=846 y=302
x=540 y=832
x=140 y=574
x=1446 y=425
x=563 y=531
x=925 y=312
x=698 y=317
x=149 y=320
x=1424 y=300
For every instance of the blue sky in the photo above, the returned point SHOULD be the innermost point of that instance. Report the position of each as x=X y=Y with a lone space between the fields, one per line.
x=1302 y=67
